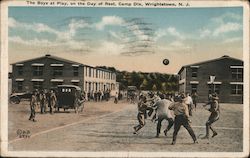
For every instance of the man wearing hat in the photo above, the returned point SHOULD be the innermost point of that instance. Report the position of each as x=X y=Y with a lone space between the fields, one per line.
x=181 y=118
x=214 y=116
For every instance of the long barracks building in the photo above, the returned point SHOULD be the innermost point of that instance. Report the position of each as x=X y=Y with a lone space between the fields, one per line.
x=48 y=71
x=228 y=83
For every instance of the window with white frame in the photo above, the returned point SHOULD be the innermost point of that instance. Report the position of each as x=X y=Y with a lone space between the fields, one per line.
x=194 y=71
x=75 y=71
x=37 y=70
x=237 y=73
x=20 y=70
x=194 y=88
x=90 y=70
x=86 y=71
x=93 y=72
x=236 y=89
x=58 y=71
x=37 y=85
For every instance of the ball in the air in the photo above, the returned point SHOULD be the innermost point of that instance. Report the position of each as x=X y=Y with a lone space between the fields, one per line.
x=165 y=61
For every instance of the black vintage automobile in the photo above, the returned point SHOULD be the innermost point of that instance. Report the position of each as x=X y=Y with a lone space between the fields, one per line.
x=67 y=96
x=16 y=98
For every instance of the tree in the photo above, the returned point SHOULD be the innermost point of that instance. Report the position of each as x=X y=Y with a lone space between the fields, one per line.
x=136 y=79
x=144 y=85
x=146 y=81
x=154 y=88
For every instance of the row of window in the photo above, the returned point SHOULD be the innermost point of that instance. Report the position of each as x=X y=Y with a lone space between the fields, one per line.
x=38 y=71
x=88 y=85
x=58 y=71
x=235 y=88
x=92 y=72
x=237 y=73
x=39 y=85
x=96 y=86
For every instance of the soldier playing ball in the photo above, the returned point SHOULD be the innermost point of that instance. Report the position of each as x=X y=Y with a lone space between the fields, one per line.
x=142 y=108
x=181 y=118
x=214 y=116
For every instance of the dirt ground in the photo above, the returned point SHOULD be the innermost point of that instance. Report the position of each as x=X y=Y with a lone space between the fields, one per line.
x=19 y=114
x=114 y=131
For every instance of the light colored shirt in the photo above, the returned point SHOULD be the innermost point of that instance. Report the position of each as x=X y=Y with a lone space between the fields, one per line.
x=33 y=101
x=188 y=100
x=179 y=108
x=162 y=108
x=153 y=100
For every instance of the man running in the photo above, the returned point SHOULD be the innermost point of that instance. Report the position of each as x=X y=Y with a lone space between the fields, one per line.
x=214 y=116
x=142 y=108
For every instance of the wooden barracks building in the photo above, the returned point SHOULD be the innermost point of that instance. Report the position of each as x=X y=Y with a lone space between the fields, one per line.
x=48 y=71
x=228 y=82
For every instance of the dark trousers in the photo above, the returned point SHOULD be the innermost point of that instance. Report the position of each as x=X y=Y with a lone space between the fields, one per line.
x=195 y=104
x=43 y=108
x=190 y=109
x=141 y=120
x=149 y=112
x=212 y=118
x=116 y=100
x=182 y=120
x=51 y=110
x=32 y=113
x=160 y=119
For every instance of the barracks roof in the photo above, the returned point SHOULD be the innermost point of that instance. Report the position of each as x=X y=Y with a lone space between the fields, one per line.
x=59 y=59
x=208 y=61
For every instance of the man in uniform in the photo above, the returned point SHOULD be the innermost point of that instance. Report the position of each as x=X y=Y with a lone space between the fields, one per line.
x=33 y=104
x=152 y=100
x=142 y=106
x=53 y=101
x=189 y=102
x=43 y=102
x=163 y=113
x=79 y=102
x=214 y=116
x=194 y=98
x=116 y=98
x=181 y=118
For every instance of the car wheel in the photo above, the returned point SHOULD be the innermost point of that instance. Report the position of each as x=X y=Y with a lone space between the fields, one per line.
x=15 y=100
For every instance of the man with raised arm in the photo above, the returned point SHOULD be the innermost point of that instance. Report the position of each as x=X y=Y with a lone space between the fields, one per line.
x=181 y=118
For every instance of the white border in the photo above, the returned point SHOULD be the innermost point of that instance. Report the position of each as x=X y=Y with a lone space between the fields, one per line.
x=4 y=93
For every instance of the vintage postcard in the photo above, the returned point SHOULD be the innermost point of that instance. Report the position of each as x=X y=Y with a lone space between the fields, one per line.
x=124 y=78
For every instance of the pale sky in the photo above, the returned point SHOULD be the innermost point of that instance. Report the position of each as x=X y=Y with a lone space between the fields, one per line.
x=126 y=38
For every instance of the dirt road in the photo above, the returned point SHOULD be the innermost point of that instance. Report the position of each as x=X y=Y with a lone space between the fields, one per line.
x=113 y=131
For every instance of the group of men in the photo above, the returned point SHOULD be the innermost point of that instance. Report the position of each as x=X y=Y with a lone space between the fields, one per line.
x=48 y=99
x=181 y=106
x=43 y=99
x=98 y=95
